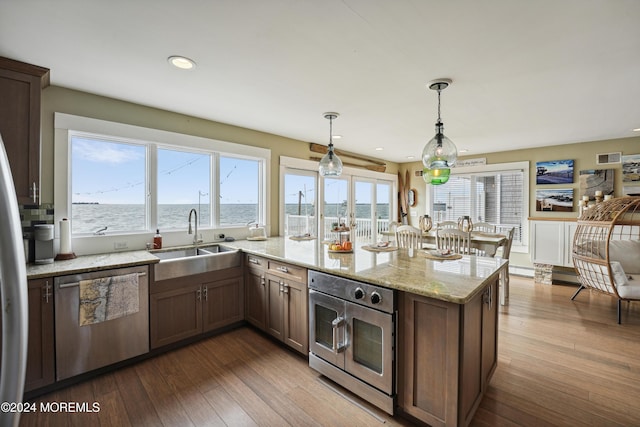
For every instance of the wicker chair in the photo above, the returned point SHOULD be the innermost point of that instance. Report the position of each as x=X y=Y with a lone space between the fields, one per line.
x=606 y=249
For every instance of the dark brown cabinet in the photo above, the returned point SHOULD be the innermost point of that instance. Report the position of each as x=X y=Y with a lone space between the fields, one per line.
x=188 y=306
x=21 y=85
x=40 y=351
x=277 y=300
x=447 y=354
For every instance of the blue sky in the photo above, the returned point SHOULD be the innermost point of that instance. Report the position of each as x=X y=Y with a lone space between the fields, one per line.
x=114 y=173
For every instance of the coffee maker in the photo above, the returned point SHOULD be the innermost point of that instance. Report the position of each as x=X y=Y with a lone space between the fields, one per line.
x=43 y=235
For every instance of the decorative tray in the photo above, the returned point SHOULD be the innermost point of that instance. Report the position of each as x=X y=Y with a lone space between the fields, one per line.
x=436 y=254
x=258 y=238
x=376 y=248
x=302 y=237
x=340 y=252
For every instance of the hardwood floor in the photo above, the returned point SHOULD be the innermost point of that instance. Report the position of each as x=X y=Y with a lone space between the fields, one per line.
x=561 y=363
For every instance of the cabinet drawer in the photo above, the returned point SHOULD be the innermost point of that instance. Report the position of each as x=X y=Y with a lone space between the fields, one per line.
x=288 y=271
x=255 y=262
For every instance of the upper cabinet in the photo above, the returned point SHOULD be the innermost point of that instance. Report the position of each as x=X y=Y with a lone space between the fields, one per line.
x=21 y=85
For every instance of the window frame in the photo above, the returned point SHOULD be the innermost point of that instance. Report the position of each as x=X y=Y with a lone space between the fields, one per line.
x=67 y=125
x=479 y=170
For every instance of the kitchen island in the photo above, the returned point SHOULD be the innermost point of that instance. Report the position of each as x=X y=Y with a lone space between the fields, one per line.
x=447 y=320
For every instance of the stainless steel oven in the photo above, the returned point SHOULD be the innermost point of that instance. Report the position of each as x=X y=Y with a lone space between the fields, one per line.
x=352 y=336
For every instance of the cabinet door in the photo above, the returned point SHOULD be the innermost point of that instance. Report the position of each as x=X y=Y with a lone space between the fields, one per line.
x=296 y=316
x=547 y=244
x=175 y=314
x=275 y=306
x=40 y=353
x=428 y=351
x=255 y=297
x=570 y=231
x=20 y=89
x=222 y=303
x=489 y=332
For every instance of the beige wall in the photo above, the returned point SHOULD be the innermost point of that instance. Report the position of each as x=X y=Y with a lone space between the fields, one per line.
x=62 y=100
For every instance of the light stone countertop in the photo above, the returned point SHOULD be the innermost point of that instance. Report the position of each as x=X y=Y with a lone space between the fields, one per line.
x=456 y=281
x=87 y=263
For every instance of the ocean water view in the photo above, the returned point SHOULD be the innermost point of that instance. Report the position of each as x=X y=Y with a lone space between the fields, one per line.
x=89 y=218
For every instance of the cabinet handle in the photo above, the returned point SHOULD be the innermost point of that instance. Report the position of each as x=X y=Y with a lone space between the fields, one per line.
x=286 y=288
x=199 y=294
x=281 y=287
x=205 y=293
x=34 y=192
x=262 y=281
x=488 y=296
x=283 y=269
x=47 y=293
x=254 y=261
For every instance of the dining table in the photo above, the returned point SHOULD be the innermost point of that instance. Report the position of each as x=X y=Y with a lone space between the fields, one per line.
x=487 y=243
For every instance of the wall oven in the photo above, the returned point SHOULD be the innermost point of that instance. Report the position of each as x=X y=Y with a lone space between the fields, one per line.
x=352 y=336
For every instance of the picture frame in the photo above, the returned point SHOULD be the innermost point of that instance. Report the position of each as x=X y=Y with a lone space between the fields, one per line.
x=596 y=180
x=554 y=172
x=554 y=200
x=631 y=168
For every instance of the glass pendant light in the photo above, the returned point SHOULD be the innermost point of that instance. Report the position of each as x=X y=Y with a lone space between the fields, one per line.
x=330 y=164
x=440 y=153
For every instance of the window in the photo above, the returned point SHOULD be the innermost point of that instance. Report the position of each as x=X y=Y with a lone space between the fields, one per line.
x=495 y=196
x=239 y=191
x=108 y=182
x=128 y=179
x=184 y=179
x=299 y=203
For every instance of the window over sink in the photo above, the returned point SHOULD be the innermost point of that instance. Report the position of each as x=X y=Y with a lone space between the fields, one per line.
x=133 y=180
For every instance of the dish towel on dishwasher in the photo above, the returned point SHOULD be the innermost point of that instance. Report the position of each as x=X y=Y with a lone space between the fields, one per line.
x=108 y=298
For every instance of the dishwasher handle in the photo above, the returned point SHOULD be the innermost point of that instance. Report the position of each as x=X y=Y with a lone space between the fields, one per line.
x=72 y=284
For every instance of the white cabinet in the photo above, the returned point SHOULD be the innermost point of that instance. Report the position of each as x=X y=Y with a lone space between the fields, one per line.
x=551 y=242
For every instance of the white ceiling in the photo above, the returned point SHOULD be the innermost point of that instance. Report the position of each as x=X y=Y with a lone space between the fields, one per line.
x=525 y=73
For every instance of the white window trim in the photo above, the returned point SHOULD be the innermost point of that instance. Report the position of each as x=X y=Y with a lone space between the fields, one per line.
x=64 y=123
x=499 y=167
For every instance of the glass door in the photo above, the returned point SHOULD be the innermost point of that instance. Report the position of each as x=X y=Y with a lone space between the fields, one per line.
x=326 y=327
x=369 y=355
x=336 y=206
x=300 y=217
x=363 y=214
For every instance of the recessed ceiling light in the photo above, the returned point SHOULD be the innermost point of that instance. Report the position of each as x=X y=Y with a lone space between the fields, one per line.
x=379 y=148
x=463 y=150
x=411 y=157
x=181 y=62
x=636 y=130
x=337 y=136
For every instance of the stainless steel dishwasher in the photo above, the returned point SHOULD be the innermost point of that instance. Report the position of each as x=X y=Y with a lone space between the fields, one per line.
x=84 y=348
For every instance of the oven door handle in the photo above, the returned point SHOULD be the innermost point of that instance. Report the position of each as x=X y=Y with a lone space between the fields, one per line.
x=335 y=324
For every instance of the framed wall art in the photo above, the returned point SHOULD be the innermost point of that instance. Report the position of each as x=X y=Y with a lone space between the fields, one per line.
x=631 y=168
x=554 y=172
x=556 y=200
x=594 y=180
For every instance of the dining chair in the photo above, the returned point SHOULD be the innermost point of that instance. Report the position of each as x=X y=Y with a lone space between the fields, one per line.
x=448 y=224
x=484 y=227
x=506 y=251
x=455 y=240
x=408 y=236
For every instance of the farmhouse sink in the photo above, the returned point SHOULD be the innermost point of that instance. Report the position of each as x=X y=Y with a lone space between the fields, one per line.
x=188 y=261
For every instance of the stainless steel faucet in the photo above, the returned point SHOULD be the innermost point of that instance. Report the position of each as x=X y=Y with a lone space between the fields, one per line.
x=195 y=236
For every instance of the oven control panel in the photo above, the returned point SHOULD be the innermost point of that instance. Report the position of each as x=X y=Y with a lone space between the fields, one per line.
x=372 y=296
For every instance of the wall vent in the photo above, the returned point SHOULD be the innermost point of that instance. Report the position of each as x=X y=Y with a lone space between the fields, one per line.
x=608 y=158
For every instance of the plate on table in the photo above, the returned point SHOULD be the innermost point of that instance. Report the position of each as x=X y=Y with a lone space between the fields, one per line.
x=439 y=254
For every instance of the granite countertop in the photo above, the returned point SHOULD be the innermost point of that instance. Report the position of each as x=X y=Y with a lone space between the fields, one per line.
x=456 y=281
x=87 y=263
x=406 y=270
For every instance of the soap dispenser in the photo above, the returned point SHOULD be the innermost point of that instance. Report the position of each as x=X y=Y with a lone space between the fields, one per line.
x=157 y=240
